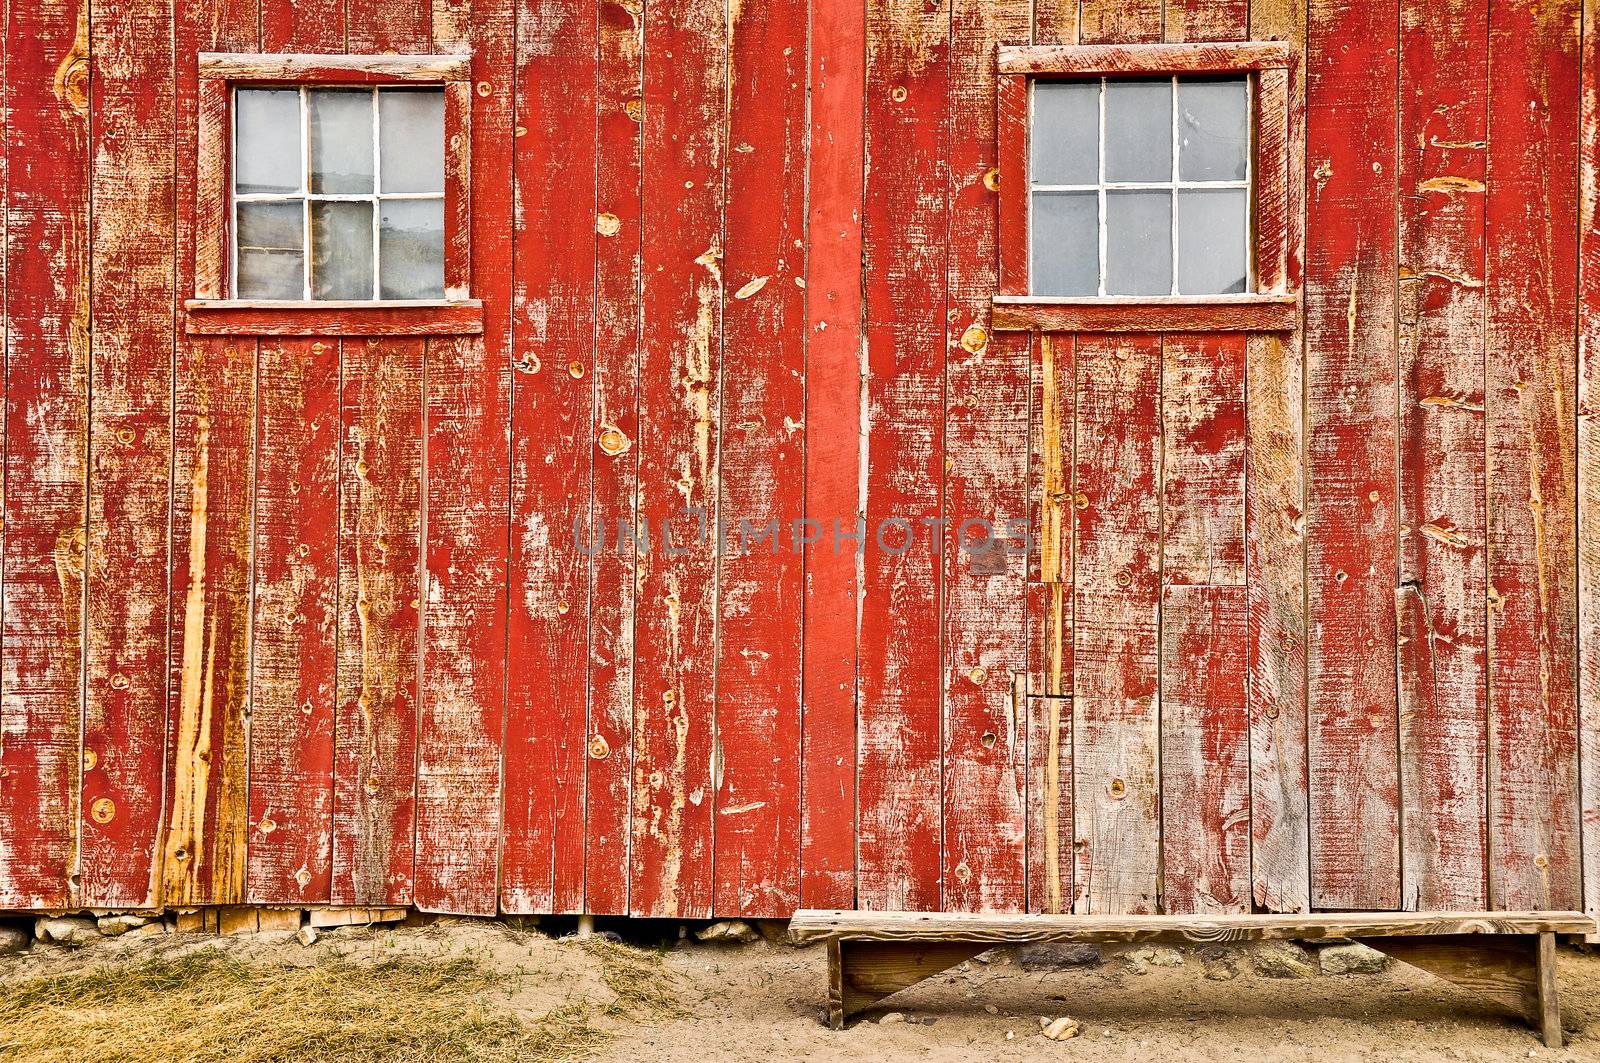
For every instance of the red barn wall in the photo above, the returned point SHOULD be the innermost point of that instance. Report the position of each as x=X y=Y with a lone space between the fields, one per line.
x=1310 y=621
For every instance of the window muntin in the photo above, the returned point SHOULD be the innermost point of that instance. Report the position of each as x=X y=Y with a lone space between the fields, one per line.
x=339 y=193
x=1140 y=186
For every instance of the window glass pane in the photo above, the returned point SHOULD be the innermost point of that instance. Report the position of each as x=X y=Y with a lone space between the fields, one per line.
x=341 y=250
x=1139 y=243
x=411 y=248
x=1213 y=129
x=1211 y=241
x=270 y=251
x=1065 y=243
x=1066 y=133
x=1139 y=129
x=341 y=140
x=411 y=134
x=267 y=140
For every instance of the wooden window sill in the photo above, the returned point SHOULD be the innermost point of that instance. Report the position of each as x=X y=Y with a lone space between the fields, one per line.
x=1214 y=313
x=260 y=317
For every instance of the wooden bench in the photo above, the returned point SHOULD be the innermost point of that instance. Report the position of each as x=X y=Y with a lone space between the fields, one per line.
x=1505 y=956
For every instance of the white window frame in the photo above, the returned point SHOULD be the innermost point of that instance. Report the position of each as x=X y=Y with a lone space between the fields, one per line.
x=306 y=197
x=1173 y=186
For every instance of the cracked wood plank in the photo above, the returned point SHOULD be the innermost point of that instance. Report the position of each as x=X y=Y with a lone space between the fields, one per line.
x=1120 y=21
x=1351 y=568
x=46 y=135
x=905 y=256
x=1117 y=577
x=685 y=163
x=1207 y=20
x=1205 y=751
x=552 y=442
x=756 y=865
x=380 y=529
x=985 y=479
x=294 y=622
x=467 y=476
x=132 y=238
x=1444 y=88
x=618 y=190
x=1531 y=289
x=1589 y=457
x=833 y=472
x=1203 y=438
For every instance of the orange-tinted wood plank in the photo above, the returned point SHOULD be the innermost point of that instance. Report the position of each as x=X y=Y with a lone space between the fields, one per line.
x=986 y=434
x=1351 y=568
x=1275 y=527
x=608 y=825
x=1207 y=20
x=1203 y=494
x=1117 y=573
x=679 y=388
x=833 y=453
x=1444 y=87
x=551 y=443
x=1589 y=457
x=1119 y=21
x=1530 y=290
x=1205 y=751
x=468 y=396
x=1050 y=619
x=898 y=769
x=294 y=622
x=380 y=528
x=133 y=244
x=46 y=135
x=760 y=590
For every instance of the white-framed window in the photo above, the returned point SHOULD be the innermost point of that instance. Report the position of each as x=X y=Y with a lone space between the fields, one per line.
x=1140 y=186
x=338 y=192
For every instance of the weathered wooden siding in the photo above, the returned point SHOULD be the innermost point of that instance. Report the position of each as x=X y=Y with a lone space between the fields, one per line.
x=1307 y=619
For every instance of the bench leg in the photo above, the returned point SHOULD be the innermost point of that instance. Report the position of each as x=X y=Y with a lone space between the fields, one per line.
x=861 y=973
x=1518 y=971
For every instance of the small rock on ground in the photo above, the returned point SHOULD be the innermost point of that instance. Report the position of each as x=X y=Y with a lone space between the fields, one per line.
x=1059 y=1029
x=14 y=939
x=1057 y=957
x=116 y=925
x=1141 y=960
x=728 y=930
x=891 y=1018
x=1352 y=959
x=306 y=935
x=71 y=931
x=1282 y=959
x=1220 y=964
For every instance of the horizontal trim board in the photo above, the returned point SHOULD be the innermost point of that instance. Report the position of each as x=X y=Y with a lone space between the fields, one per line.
x=811 y=925
x=256 y=66
x=1218 y=313
x=257 y=317
x=1100 y=59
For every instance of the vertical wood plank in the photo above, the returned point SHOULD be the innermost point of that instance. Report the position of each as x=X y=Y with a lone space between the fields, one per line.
x=552 y=393
x=1530 y=291
x=1205 y=763
x=207 y=824
x=760 y=590
x=833 y=458
x=1444 y=85
x=380 y=530
x=467 y=473
x=1120 y=21
x=316 y=26
x=294 y=622
x=986 y=431
x=46 y=137
x=905 y=226
x=1117 y=572
x=132 y=234
x=1275 y=504
x=1050 y=621
x=1203 y=436
x=1589 y=456
x=381 y=27
x=620 y=112
x=1351 y=568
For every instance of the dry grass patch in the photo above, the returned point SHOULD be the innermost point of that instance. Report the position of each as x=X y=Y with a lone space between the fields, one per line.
x=206 y=1005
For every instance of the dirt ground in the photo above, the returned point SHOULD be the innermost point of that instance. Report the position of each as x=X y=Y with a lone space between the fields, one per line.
x=760 y=1002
